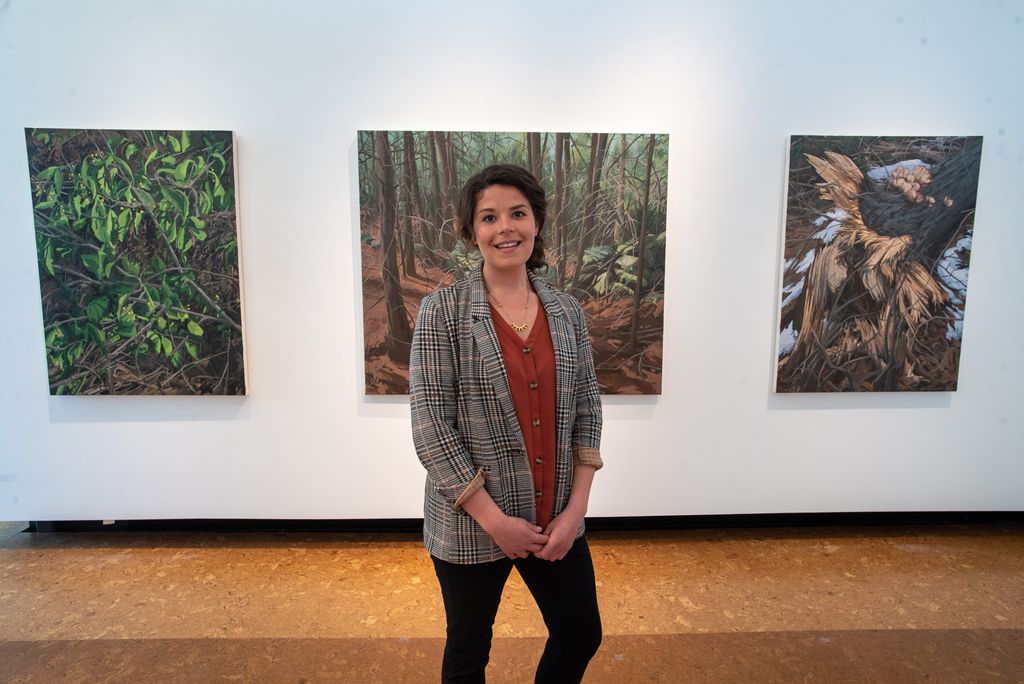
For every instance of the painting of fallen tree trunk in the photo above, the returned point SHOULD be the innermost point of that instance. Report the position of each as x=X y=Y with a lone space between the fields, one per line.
x=875 y=262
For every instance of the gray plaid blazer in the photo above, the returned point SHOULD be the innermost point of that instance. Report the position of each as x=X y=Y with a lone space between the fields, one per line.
x=464 y=422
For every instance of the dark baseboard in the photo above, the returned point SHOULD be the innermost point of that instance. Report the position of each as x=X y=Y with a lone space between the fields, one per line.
x=658 y=522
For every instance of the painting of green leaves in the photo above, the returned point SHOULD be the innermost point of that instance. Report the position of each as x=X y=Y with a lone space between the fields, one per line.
x=137 y=242
x=604 y=238
x=875 y=264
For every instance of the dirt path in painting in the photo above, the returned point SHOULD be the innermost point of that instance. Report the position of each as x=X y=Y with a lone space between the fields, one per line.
x=621 y=369
x=383 y=375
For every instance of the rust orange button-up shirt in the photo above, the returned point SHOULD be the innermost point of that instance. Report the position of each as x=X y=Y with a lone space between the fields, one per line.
x=530 y=367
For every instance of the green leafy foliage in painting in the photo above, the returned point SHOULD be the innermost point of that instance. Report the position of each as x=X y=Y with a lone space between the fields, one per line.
x=610 y=270
x=136 y=238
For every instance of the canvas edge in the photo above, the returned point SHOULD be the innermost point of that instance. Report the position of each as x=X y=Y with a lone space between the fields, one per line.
x=780 y=272
x=241 y=278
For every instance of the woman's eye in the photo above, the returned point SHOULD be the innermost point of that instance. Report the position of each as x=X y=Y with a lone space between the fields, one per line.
x=488 y=218
x=519 y=213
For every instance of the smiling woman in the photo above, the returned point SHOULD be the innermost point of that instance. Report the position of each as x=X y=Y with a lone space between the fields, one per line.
x=504 y=228
x=504 y=202
x=501 y=211
x=506 y=419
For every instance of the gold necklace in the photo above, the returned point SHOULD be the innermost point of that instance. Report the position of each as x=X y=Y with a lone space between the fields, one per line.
x=518 y=327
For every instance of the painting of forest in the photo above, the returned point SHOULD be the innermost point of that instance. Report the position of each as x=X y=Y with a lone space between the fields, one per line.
x=604 y=237
x=136 y=235
x=876 y=256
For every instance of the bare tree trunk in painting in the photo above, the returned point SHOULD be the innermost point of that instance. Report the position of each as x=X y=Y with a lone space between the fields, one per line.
x=412 y=187
x=634 y=324
x=408 y=244
x=533 y=154
x=441 y=147
x=563 y=218
x=619 y=231
x=435 y=177
x=399 y=335
x=371 y=162
x=453 y=185
x=407 y=253
x=556 y=202
x=598 y=142
x=449 y=231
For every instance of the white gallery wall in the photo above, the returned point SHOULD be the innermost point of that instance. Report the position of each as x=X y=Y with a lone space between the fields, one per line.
x=729 y=81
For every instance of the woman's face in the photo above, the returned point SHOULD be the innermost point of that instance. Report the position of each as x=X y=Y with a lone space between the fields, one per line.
x=504 y=227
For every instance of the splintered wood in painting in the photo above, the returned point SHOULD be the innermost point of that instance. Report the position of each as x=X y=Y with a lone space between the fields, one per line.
x=877 y=251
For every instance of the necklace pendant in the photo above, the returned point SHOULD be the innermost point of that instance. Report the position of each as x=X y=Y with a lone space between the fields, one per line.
x=519 y=327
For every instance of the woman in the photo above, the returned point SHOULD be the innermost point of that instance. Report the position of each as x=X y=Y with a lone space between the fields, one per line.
x=506 y=418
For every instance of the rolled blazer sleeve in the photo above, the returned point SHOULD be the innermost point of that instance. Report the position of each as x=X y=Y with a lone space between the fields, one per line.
x=434 y=405
x=586 y=434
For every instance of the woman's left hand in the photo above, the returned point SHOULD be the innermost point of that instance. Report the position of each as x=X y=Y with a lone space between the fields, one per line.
x=561 y=534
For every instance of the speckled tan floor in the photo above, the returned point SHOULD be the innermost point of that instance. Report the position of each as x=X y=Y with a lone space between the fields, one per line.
x=922 y=604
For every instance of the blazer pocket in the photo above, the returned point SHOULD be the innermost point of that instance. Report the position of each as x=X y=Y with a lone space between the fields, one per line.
x=496 y=476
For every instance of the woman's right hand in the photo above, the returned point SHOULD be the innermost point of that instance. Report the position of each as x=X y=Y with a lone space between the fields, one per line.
x=517 y=537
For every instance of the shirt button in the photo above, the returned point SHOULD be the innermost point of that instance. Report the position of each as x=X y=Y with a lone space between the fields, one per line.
x=533 y=385
x=537 y=493
x=538 y=460
x=536 y=422
x=526 y=350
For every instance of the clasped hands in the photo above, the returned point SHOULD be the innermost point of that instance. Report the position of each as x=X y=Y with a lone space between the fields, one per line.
x=518 y=538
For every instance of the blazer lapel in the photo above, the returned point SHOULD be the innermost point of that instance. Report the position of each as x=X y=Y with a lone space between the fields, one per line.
x=490 y=351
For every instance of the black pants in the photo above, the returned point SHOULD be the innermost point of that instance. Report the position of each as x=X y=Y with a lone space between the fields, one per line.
x=564 y=591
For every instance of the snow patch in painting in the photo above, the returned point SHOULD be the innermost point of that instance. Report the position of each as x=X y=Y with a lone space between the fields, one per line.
x=952 y=273
x=787 y=339
x=806 y=262
x=792 y=291
x=835 y=220
x=952 y=270
x=884 y=173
